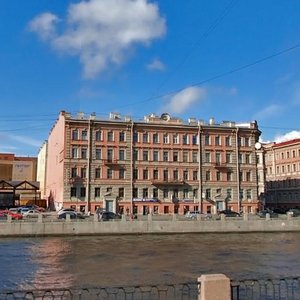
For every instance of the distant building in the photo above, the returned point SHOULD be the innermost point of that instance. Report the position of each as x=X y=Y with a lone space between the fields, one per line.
x=159 y=164
x=282 y=168
x=17 y=179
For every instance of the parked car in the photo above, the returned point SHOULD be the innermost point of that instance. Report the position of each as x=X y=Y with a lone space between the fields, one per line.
x=108 y=215
x=72 y=214
x=229 y=213
x=263 y=213
x=63 y=210
x=31 y=213
x=193 y=215
x=3 y=216
x=295 y=212
x=14 y=216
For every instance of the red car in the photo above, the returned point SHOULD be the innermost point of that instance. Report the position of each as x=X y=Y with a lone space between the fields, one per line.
x=14 y=216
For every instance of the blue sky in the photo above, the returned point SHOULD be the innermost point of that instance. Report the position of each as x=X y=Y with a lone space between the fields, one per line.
x=141 y=57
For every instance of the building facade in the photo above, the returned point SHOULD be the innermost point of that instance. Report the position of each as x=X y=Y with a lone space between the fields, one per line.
x=282 y=169
x=159 y=165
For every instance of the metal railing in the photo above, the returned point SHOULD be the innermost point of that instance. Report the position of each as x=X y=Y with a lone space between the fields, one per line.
x=184 y=291
x=266 y=289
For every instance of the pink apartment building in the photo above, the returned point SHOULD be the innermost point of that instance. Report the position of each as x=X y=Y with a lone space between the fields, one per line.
x=282 y=169
x=159 y=164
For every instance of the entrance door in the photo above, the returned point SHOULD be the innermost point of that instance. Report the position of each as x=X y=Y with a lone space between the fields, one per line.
x=220 y=205
x=109 y=205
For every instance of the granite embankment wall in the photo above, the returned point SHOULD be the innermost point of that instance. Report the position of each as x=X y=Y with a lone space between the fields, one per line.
x=61 y=228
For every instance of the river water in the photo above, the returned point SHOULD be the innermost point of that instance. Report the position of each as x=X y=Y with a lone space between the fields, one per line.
x=58 y=262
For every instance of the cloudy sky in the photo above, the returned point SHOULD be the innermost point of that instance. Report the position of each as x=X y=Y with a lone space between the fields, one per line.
x=228 y=59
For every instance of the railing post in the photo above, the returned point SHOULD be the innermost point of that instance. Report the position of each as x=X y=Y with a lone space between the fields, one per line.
x=174 y=217
x=9 y=218
x=123 y=218
x=245 y=216
x=223 y=217
x=68 y=218
x=40 y=218
x=214 y=287
x=149 y=217
x=96 y=217
x=268 y=217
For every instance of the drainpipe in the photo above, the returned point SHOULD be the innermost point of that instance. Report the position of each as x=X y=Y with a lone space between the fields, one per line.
x=200 y=169
x=237 y=168
x=88 y=176
x=131 y=169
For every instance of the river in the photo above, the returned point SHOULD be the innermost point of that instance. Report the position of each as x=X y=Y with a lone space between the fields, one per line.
x=56 y=262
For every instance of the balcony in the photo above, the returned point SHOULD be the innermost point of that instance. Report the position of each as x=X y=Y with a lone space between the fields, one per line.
x=110 y=161
x=167 y=182
x=220 y=165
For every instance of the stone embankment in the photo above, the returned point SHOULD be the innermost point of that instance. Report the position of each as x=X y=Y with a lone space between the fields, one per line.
x=41 y=227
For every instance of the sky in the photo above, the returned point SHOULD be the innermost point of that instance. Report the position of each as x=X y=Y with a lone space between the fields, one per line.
x=232 y=60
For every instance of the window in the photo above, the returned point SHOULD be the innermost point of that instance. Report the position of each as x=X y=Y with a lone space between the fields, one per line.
x=228 y=157
x=207 y=175
x=175 y=174
x=110 y=136
x=109 y=189
x=195 y=156
x=228 y=141
x=135 y=137
x=249 y=194
x=122 y=136
x=97 y=192
x=207 y=194
x=74 y=152
x=175 y=139
x=135 y=154
x=248 y=176
x=74 y=172
x=195 y=175
x=73 y=192
x=185 y=139
x=239 y=141
x=228 y=194
x=166 y=138
x=165 y=156
x=75 y=135
x=84 y=135
x=155 y=174
x=247 y=142
x=145 y=193
x=247 y=158
x=175 y=156
x=195 y=139
x=121 y=192
x=195 y=193
x=145 y=174
x=98 y=153
x=186 y=175
x=207 y=140
x=109 y=173
x=97 y=173
x=135 y=192
x=185 y=156
x=110 y=154
x=240 y=159
x=98 y=136
x=207 y=157
x=155 y=138
x=218 y=157
x=155 y=193
x=121 y=173
x=145 y=155
x=217 y=141
x=218 y=176
x=185 y=194
x=165 y=193
x=82 y=192
x=83 y=173
x=155 y=155
x=166 y=175
x=229 y=176
x=84 y=153
x=145 y=137
x=121 y=154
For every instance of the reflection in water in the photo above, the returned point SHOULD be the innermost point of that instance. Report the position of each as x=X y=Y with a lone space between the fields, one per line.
x=145 y=259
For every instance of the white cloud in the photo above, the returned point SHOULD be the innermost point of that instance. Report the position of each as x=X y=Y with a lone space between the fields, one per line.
x=156 y=65
x=44 y=25
x=26 y=140
x=268 y=112
x=288 y=136
x=185 y=99
x=102 y=32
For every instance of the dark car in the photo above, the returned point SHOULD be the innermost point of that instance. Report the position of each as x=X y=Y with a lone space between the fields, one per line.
x=108 y=215
x=229 y=213
x=72 y=214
